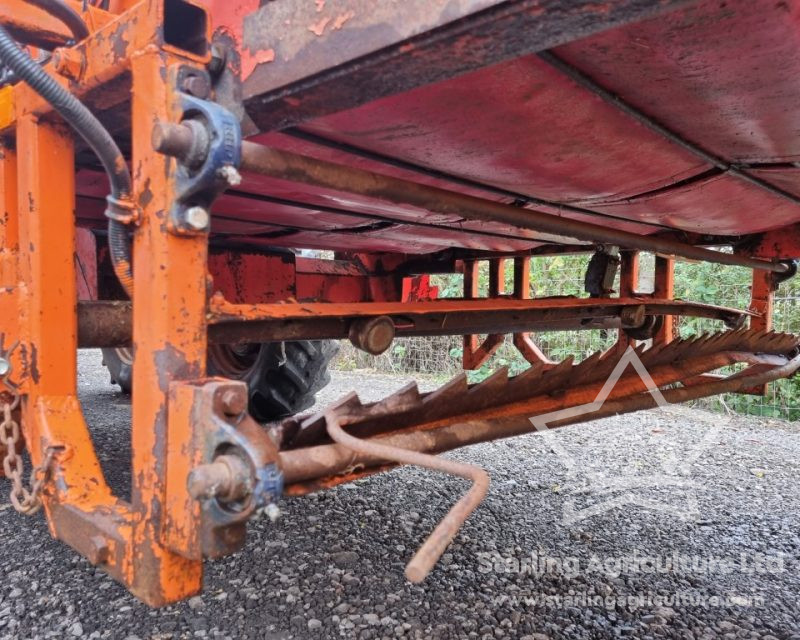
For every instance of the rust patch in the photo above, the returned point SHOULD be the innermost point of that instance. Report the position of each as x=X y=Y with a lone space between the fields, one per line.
x=146 y=196
x=170 y=363
x=119 y=39
x=34 y=365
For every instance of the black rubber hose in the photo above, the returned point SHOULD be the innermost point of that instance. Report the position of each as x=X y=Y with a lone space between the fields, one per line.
x=96 y=136
x=66 y=14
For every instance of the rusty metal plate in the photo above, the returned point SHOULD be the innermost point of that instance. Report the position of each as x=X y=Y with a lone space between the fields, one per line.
x=721 y=205
x=520 y=126
x=723 y=74
x=302 y=59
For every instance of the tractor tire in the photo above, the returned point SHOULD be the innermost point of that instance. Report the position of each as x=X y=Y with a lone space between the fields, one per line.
x=282 y=377
x=119 y=363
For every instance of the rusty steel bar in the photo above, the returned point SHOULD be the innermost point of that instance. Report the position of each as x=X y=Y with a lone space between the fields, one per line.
x=108 y=323
x=171 y=139
x=104 y=323
x=540 y=389
x=328 y=460
x=307 y=463
x=435 y=544
x=444 y=317
x=330 y=328
x=462 y=181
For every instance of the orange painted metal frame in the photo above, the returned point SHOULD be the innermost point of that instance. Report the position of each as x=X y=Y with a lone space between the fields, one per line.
x=134 y=541
x=762 y=296
x=628 y=283
x=474 y=351
x=522 y=290
x=663 y=289
x=38 y=304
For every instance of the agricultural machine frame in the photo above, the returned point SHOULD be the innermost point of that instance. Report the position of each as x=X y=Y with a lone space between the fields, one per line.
x=201 y=466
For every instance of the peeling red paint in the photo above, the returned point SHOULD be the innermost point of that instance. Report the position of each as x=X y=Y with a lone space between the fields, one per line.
x=341 y=19
x=319 y=28
x=250 y=61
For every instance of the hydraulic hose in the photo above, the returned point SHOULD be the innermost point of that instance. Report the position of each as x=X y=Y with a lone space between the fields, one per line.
x=66 y=14
x=119 y=204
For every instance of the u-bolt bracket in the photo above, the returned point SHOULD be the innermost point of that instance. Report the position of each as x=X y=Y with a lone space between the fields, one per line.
x=206 y=167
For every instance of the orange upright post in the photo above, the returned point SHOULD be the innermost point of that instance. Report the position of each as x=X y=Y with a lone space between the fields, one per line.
x=628 y=282
x=664 y=288
x=476 y=353
x=51 y=418
x=522 y=291
x=762 y=295
x=169 y=334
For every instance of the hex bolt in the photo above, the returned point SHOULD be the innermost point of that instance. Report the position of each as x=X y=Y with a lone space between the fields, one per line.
x=227 y=478
x=5 y=367
x=233 y=402
x=197 y=218
x=373 y=335
x=197 y=86
x=68 y=63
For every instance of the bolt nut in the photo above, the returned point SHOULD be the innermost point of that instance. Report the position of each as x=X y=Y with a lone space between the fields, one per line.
x=69 y=63
x=197 y=218
x=196 y=85
x=233 y=402
x=373 y=335
x=230 y=174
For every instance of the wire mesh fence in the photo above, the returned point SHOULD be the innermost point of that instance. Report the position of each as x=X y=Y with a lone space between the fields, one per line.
x=563 y=276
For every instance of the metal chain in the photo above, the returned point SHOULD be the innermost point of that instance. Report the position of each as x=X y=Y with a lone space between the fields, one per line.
x=26 y=500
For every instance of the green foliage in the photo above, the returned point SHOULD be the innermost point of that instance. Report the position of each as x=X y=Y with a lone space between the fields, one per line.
x=450 y=285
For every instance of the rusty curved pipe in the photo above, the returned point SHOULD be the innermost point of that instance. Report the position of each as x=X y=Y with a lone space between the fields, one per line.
x=435 y=544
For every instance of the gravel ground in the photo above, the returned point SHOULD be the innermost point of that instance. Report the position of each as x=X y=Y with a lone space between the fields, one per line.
x=567 y=544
